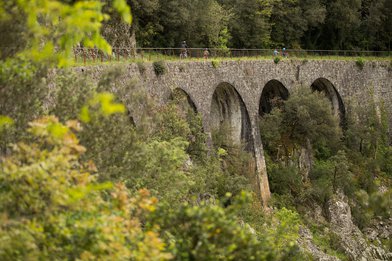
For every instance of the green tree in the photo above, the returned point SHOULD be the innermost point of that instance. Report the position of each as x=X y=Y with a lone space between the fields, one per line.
x=315 y=12
x=342 y=24
x=305 y=117
x=199 y=23
x=117 y=32
x=146 y=24
x=375 y=25
x=249 y=26
x=288 y=23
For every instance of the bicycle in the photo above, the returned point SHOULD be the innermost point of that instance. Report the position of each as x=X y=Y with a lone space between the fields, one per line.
x=184 y=54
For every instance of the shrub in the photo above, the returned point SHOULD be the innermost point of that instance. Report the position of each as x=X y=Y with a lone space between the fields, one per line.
x=159 y=68
x=141 y=67
x=215 y=63
x=276 y=60
x=211 y=232
x=45 y=204
x=360 y=63
x=284 y=180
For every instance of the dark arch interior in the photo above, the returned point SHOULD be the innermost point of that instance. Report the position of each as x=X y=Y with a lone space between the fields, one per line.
x=228 y=108
x=272 y=95
x=183 y=100
x=325 y=86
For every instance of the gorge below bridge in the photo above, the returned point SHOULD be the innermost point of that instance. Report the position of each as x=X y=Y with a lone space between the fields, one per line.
x=238 y=92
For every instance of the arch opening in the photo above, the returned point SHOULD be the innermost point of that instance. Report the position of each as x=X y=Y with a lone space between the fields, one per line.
x=273 y=95
x=325 y=86
x=228 y=110
x=183 y=100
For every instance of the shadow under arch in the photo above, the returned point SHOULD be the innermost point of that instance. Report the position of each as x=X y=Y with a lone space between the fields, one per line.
x=325 y=86
x=228 y=108
x=183 y=100
x=274 y=92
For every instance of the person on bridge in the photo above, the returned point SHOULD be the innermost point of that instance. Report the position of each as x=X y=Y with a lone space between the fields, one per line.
x=184 y=51
x=206 y=53
x=284 y=52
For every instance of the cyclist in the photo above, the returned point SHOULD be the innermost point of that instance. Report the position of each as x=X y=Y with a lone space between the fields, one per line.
x=184 y=51
x=284 y=52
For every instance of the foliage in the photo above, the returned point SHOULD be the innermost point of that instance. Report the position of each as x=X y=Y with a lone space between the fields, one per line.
x=102 y=104
x=367 y=137
x=179 y=117
x=276 y=60
x=283 y=179
x=310 y=117
x=305 y=117
x=308 y=24
x=203 y=233
x=159 y=68
x=377 y=203
x=22 y=87
x=237 y=164
x=328 y=177
x=202 y=23
x=358 y=168
x=328 y=241
x=211 y=232
x=283 y=232
x=215 y=63
x=141 y=67
x=53 y=191
x=5 y=122
x=135 y=161
x=44 y=36
x=46 y=209
x=360 y=63
x=115 y=30
x=288 y=23
x=249 y=26
x=53 y=28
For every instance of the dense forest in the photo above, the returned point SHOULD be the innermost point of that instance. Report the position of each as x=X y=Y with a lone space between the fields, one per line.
x=306 y=24
x=99 y=170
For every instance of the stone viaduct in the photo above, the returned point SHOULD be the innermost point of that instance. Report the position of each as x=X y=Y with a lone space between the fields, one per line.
x=239 y=91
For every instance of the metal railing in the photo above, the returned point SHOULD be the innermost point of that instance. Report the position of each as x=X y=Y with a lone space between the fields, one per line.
x=124 y=54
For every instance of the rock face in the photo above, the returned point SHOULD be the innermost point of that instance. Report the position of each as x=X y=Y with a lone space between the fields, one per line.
x=305 y=241
x=352 y=240
x=379 y=229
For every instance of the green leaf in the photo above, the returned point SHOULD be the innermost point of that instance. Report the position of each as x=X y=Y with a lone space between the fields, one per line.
x=5 y=122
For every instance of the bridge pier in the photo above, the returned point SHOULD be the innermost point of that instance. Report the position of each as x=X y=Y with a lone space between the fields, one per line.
x=261 y=168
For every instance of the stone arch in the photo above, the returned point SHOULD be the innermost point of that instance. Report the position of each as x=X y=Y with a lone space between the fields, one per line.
x=272 y=91
x=228 y=107
x=325 y=86
x=183 y=99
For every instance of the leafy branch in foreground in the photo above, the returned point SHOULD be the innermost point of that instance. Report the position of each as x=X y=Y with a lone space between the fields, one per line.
x=51 y=29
